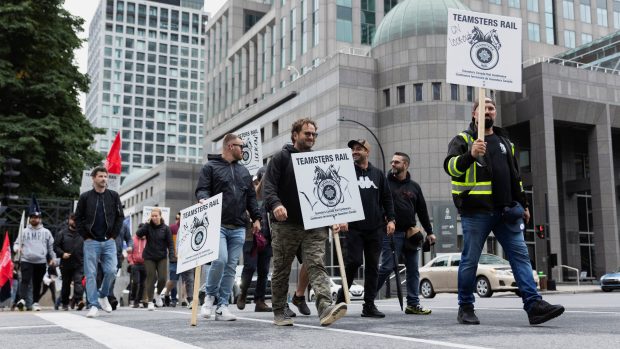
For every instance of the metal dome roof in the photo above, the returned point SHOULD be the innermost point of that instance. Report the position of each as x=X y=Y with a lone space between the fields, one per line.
x=415 y=17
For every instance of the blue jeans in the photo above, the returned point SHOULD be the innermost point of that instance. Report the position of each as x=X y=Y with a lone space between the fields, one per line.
x=476 y=229
x=411 y=263
x=221 y=275
x=105 y=253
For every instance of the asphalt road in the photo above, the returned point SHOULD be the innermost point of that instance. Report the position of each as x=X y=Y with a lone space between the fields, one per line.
x=591 y=320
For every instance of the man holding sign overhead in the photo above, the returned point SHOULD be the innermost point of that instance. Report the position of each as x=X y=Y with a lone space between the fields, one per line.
x=288 y=233
x=487 y=190
x=224 y=174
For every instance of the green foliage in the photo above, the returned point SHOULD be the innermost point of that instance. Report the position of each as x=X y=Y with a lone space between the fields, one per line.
x=40 y=117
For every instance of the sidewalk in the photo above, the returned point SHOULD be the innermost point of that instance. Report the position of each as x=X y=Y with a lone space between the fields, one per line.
x=573 y=288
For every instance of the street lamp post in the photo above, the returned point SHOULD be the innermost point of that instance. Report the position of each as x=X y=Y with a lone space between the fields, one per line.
x=373 y=135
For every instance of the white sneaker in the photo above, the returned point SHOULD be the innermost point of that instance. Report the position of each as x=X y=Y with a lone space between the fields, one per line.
x=207 y=307
x=151 y=306
x=36 y=307
x=105 y=305
x=223 y=314
x=158 y=301
x=92 y=312
x=189 y=305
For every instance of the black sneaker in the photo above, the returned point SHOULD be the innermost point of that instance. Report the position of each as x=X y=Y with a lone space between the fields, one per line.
x=113 y=303
x=467 y=315
x=542 y=311
x=21 y=304
x=370 y=310
x=167 y=301
x=300 y=303
x=333 y=313
x=340 y=296
x=288 y=312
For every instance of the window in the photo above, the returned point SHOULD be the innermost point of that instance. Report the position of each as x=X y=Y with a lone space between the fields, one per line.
x=533 y=32
x=368 y=21
x=293 y=35
x=549 y=24
x=274 y=128
x=282 y=42
x=388 y=5
x=616 y=15
x=514 y=3
x=304 y=30
x=586 y=38
x=532 y=5
x=315 y=22
x=585 y=12
x=418 y=92
x=569 y=39
x=568 y=8
x=436 y=91
x=496 y=2
x=601 y=16
x=386 y=97
x=441 y=262
x=454 y=92
x=470 y=93
x=401 y=94
x=344 y=21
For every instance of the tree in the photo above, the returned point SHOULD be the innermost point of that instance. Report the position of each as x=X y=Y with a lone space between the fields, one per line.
x=40 y=117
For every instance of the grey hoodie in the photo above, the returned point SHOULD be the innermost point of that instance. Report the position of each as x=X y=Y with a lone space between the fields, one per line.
x=37 y=245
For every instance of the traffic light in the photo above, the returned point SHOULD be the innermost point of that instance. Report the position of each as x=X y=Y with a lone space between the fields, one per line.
x=540 y=231
x=9 y=176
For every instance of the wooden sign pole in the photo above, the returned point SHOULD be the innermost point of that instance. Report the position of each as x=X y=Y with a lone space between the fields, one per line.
x=195 y=300
x=481 y=111
x=343 y=274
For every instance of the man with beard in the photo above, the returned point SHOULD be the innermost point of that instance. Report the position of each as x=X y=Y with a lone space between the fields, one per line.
x=364 y=237
x=408 y=201
x=69 y=247
x=224 y=174
x=288 y=233
x=487 y=191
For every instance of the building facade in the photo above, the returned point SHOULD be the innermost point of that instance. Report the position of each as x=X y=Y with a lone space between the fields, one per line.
x=146 y=65
x=270 y=63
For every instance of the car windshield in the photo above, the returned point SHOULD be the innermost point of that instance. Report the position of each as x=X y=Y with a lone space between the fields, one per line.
x=337 y=281
x=492 y=259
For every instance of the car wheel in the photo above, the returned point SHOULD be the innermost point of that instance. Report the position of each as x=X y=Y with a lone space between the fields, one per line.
x=426 y=288
x=334 y=297
x=483 y=287
x=605 y=289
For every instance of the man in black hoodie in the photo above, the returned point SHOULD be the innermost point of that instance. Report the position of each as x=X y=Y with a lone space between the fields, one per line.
x=408 y=201
x=288 y=234
x=364 y=237
x=69 y=247
x=224 y=174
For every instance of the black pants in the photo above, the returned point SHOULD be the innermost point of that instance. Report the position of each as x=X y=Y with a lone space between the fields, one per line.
x=71 y=273
x=258 y=263
x=31 y=273
x=360 y=245
x=138 y=280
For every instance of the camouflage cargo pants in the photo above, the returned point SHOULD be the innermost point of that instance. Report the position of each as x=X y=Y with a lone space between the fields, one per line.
x=286 y=239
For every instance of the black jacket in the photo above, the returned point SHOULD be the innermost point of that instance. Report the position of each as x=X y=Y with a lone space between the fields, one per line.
x=235 y=183
x=280 y=187
x=376 y=198
x=68 y=241
x=408 y=201
x=86 y=210
x=461 y=151
x=159 y=243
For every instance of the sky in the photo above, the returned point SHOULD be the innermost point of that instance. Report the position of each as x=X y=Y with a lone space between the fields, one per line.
x=86 y=9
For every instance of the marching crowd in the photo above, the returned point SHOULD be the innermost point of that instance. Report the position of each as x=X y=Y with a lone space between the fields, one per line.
x=262 y=220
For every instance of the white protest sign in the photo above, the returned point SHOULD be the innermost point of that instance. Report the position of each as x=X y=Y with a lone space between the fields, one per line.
x=198 y=238
x=484 y=50
x=114 y=181
x=252 y=150
x=165 y=213
x=327 y=187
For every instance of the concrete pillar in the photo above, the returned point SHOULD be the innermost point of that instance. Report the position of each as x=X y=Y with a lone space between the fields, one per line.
x=268 y=59
x=545 y=187
x=244 y=71
x=260 y=59
x=236 y=80
x=252 y=62
x=216 y=44
x=602 y=184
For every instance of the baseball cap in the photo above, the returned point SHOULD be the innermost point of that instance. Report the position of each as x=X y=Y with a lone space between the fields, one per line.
x=513 y=217
x=364 y=143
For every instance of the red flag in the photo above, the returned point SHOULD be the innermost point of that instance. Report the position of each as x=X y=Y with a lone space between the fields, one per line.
x=6 y=264
x=113 y=161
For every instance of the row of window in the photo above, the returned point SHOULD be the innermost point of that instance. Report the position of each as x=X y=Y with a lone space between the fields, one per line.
x=184 y=39
x=134 y=199
x=419 y=93
x=162 y=17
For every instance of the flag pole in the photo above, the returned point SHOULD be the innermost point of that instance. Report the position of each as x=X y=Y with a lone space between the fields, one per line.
x=195 y=300
x=481 y=112
x=343 y=274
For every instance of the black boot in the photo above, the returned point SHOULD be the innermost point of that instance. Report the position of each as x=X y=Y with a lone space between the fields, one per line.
x=370 y=310
x=542 y=311
x=467 y=315
x=241 y=299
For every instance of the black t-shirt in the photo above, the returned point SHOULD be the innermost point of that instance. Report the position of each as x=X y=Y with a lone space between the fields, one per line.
x=498 y=156
x=100 y=226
